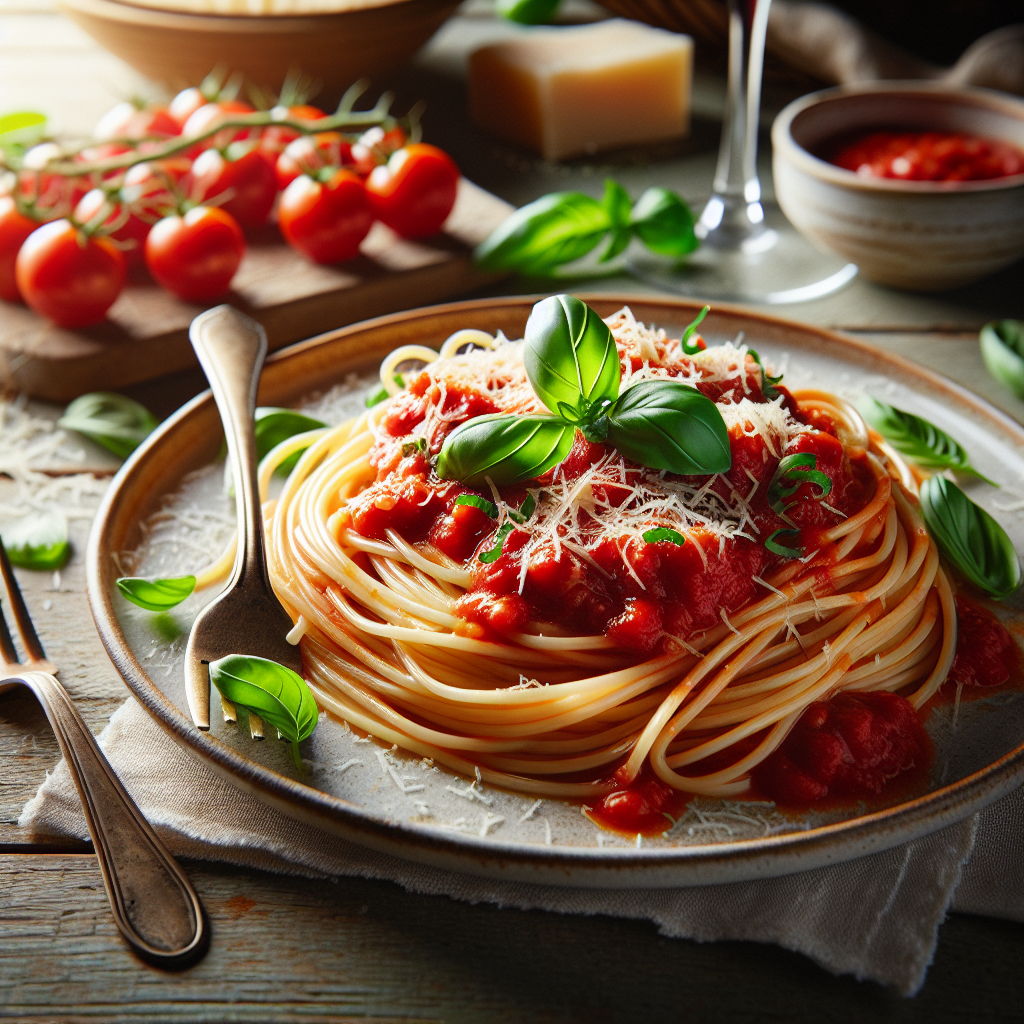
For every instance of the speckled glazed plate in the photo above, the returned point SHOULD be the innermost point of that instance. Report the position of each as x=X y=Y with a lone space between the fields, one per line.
x=167 y=513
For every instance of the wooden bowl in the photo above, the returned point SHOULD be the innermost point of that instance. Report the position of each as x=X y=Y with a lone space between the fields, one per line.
x=337 y=48
x=919 y=235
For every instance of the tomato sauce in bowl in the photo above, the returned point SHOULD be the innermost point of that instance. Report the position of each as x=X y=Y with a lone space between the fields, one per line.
x=928 y=156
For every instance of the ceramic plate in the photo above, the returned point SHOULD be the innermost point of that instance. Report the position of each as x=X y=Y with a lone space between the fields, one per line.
x=167 y=513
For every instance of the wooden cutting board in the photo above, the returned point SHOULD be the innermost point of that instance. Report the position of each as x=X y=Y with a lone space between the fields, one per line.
x=146 y=331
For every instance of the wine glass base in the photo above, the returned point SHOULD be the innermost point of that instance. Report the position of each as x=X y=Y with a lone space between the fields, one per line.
x=775 y=267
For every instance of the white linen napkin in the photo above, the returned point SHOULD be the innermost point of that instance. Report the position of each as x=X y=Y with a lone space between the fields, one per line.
x=876 y=917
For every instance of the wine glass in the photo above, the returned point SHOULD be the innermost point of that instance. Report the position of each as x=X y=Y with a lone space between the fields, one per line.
x=749 y=250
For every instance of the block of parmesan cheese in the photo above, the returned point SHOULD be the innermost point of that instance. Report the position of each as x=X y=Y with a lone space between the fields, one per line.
x=574 y=90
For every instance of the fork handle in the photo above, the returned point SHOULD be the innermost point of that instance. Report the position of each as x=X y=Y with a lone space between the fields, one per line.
x=231 y=348
x=154 y=905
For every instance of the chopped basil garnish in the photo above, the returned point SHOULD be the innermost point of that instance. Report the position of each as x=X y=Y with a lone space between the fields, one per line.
x=919 y=440
x=271 y=691
x=276 y=425
x=1002 y=348
x=970 y=538
x=801 y=468
x=37 y=541
x=118 y=423
x=156 y=595
x=684 y=341
x=768 y=388
x=573 y=365
x=776 y=548
x=663 y=533
x=476 y=501
x=525 y=510
x=412 y=447
x=499 y=543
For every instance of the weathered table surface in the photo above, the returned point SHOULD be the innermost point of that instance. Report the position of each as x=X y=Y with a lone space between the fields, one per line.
x=295 y=950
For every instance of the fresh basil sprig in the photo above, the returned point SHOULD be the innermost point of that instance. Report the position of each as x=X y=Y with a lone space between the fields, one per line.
x=768 y=388
x=802 y=468
x=563 y=227
x=776 y=548
x=156 y=595
x=970 y=538
x=919 y=440
x=573 y=365
x=660 y=534
x=665 y=424
x=1002 y=348
x=118 y=423
x=37 y=541
x=508 y=449
x=494 y=553
x=276 y=425
x=691 y=349
x=271 y=691
x=485 y=506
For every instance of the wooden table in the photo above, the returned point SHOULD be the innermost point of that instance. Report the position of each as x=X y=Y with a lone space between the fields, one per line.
x=289 y=949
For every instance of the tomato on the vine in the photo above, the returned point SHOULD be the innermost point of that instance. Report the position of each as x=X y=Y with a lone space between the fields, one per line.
x=71 y=278
x=130 y=234
x=185 y=104
x=374 y=147
x=326 y=219
x=247 y=179
x=275 y=138
x=414 y=192
x=212 y=114
x=51 y=195
x=309 y=153
x=15 y=227
x=195 y=255
x=128 y=121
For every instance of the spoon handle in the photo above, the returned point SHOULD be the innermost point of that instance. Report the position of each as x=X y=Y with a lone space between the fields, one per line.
x=231 y=348
x=154 y=905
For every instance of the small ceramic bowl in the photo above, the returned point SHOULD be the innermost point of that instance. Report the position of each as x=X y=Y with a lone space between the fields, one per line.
x=921 y=235
x=335 y=47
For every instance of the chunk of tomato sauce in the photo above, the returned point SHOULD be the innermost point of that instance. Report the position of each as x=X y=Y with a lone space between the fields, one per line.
x=852 y=747
x=646 y=806
x=986 y=653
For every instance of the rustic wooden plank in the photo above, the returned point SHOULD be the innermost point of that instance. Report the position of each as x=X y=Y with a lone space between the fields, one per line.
x=146 y=333
x=288 y=949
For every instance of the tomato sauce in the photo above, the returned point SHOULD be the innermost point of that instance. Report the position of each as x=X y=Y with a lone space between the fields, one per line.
x=986 y=653
x=645 y=807
x=928 y=156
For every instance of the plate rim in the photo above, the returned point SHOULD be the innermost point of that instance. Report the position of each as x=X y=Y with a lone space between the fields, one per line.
x=609 y=867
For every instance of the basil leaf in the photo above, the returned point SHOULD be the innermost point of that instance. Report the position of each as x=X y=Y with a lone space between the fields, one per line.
x=970 y=538
x=768 y=388
x=801 y=468
x=528 y=12
x=664 y=223
x=276 y=425
x=665 y=424
x=499 y=543
x=555 y=229
x=918 y=439
x=381 y=394
x=156 y=595
x=23 y=128
x=684 y=341
x=508 y=449
x=776 y=548
x=616 y=203
x=525 y=510
x=37 y=541
x=663 y=533
x=570 y=354
x=476 y=501
x=1002 y=348
x=411 y=447
x=118 y=423
x=273 y=692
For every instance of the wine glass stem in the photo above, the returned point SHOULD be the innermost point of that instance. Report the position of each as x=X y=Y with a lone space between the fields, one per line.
x=733 y=217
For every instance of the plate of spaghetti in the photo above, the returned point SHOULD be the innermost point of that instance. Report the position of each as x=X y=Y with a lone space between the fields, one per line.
x=602 y=591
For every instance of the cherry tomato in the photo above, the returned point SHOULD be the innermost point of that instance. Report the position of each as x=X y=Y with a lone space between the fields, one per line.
x=195 y=255
x=212 y=114
x=131 y=231
x=326 y=220
x=276 y=137
x=15 y=227
x=310 y=153
x=185 y=104
x=69 y=278
x=375 y=146
x=52 y=195
x=414 y=192
x=249 y=180
x=127 y=121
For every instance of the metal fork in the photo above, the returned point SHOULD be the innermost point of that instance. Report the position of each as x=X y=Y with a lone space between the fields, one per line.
x=155 y=907
x=247 y=618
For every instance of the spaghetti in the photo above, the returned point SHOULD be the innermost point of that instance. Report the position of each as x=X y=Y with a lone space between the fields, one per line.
x=532 y=635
